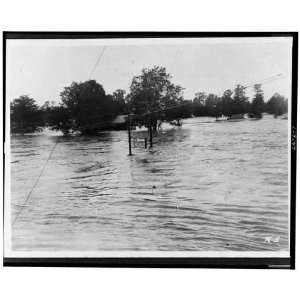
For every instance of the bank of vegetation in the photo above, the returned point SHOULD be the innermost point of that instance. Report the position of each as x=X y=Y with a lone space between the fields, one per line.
x=153 y=98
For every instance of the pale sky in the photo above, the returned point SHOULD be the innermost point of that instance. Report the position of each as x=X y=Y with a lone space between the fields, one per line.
x=42 y=68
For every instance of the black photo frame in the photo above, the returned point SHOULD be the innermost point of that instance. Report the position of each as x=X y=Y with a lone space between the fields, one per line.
x=169 y=262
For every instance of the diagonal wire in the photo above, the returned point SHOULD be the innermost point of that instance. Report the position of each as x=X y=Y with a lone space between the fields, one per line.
x=266 y=80
x=160 y=110
x=35 y=184
x=97 y=62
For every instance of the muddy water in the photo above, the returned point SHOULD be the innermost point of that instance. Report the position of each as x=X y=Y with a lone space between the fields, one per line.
x=206 y=186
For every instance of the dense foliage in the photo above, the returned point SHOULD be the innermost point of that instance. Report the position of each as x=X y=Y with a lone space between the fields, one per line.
x=87 y=106
x=258 y=104
x=277 y=105
x=152 y=98
x=25 y=115
x=152 y=94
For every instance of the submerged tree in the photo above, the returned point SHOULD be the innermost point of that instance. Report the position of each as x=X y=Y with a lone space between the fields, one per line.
x=277 y=105
x=211 y=105
x=226 y=106
x=240 y=101
x=119 y=101
x=25 y=115
x=258 y=104
x=184 y=110
x=59 y=118
x=84 y=107
x=152 y=94
x=199 y=104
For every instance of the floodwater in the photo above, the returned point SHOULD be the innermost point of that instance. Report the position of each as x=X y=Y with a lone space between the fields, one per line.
x=208 y=186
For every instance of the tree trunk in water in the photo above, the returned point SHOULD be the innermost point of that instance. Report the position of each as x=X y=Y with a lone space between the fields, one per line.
x=154 y=125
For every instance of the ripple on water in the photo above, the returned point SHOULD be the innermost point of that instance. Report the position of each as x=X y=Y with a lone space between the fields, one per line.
x=203 y=187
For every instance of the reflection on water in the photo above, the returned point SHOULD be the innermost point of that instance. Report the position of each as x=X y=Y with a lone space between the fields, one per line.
x=205 y=186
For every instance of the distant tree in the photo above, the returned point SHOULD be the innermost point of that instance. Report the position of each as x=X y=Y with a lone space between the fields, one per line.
x=277 y=105
x=25 y=115
x=258 y=104
x=211 y=103
x=200 y=98
x=226 y=105
x=46 y=110
x=86 y=106
x=153 y=92
x=199 y=104
x=58 y=117
x=184 y=110
x=240 y=101
x=119 y=100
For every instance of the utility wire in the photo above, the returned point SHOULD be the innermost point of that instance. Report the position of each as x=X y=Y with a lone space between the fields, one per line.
x=97 y=62
x=160 y=110
x=266 y=80
x=50 y=154
x=35 y=184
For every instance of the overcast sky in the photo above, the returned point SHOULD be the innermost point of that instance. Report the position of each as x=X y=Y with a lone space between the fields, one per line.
x=42 y=68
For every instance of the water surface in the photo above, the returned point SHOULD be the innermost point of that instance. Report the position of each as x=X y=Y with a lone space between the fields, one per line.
x=210 y=186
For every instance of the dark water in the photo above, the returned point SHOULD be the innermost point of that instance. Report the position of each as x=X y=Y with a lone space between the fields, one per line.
x=205 y=186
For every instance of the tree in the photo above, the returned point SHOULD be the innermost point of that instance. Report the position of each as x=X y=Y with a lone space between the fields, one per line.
x=277 y=105
x=258 y=104
x=119 y=100
x=184 y=110
x=240 y=104
x=152 y=94
x=199 y=104
x=200 y=98
x=86 y=106
x=59 y=118
x=25 y=115
x=46 y=112
x=211 y=103
x=226 y=105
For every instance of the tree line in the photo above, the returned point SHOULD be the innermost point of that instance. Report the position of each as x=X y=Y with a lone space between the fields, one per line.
x=153 y=98
x=236 y=102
